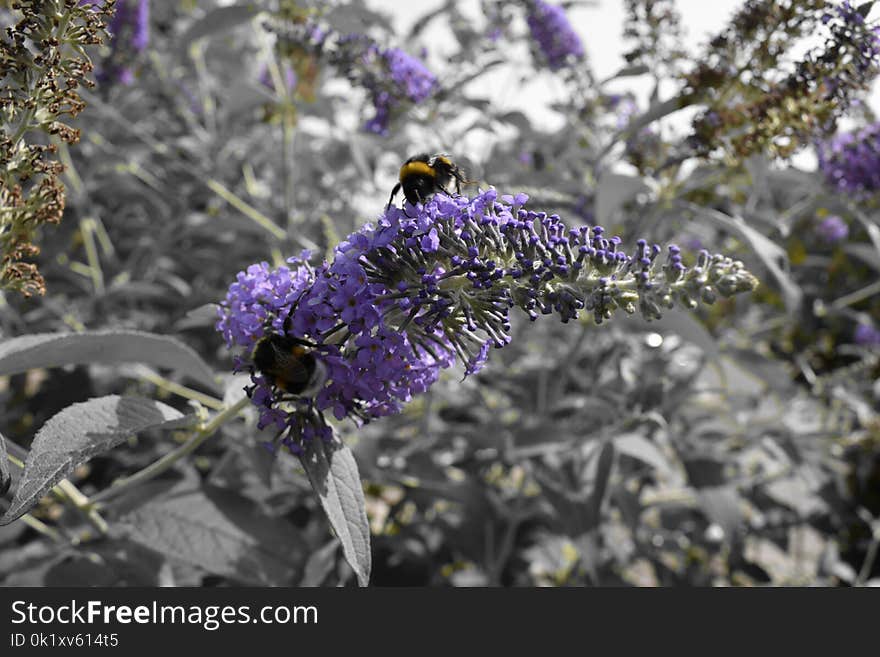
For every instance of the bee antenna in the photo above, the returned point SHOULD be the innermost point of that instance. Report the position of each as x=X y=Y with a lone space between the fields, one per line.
x=393 y=194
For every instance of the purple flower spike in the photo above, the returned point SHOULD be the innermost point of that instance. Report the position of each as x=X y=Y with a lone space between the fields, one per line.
x=414 y=293
x=554 y=35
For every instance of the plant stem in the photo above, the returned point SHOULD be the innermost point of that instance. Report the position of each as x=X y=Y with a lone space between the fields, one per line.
x=42 y=528
x=83 y=504
x=188 y=393
x=245 y=208
x=154 y=469
x=870 y=557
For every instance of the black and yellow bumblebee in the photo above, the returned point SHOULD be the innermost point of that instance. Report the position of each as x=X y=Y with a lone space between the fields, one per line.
x=290 y=364
x=423 y=175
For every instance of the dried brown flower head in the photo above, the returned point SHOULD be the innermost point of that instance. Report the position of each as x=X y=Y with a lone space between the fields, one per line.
x=43 y=63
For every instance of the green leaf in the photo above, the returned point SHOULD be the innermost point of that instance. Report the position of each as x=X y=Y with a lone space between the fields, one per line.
x=12 y=450
x=45 y=350
x=760 y=373
x=871 y=228
x=108 y=562
x=334 y=476
x=319 y=564
x=628 y=72
x=242 y=97
x=218 y=530
x=682 y=324
x=721 y=505
x=655 y=112
x=604 y=464
x=28 y=563
x=638 y=447
x=797 y=494
x=866 y=253
x=76 y=434
x=204 y=316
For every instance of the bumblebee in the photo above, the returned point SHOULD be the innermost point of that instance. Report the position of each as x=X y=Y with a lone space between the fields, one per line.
x=423 y=175
x=290 y=364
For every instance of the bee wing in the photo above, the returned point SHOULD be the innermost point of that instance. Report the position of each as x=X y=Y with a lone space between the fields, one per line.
x=288 y=366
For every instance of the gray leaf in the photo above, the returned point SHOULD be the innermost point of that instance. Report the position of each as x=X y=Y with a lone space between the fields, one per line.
x=76 y=434
x=334 y=476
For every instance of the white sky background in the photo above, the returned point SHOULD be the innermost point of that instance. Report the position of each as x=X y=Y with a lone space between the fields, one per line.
x=600 y=27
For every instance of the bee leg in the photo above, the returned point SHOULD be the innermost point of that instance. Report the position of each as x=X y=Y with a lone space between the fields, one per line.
x=393 y=194
x=306 y=343
x=419 y=199
x=286 y=325
x=444 y=190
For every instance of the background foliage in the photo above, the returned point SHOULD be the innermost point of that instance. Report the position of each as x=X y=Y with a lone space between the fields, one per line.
x=738 y=445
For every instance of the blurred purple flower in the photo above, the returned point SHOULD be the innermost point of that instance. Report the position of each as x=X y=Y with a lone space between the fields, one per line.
x=625 y=109
x=850 y=161
x=290 y=77
x=130 y=30
x=393 y=78
x=553 y=33
x=401 y=78
x=130 y=23
x=411 y=76
x=832 y=229
x=381 y=119
x=866 y=335
x=692 y=243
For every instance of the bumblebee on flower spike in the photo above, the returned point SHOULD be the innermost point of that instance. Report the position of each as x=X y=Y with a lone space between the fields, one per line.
x=289 y=363
x=423 y=175
x=415 y=295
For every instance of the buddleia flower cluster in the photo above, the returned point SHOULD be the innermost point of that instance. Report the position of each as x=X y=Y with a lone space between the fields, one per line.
x=43 y=63
x=394 y=79
x=130 y=35
x=756 y=101
x=850 y=161
x=553 y=34
x=432 y=285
